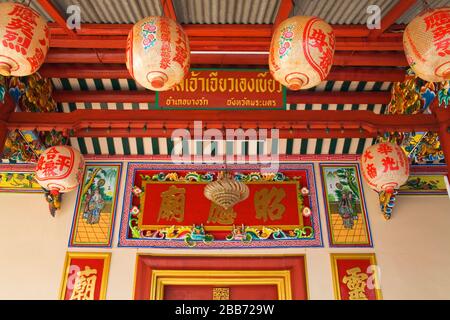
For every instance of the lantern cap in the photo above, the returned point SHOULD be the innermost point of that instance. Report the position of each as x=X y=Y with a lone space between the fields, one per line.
x=295 y=83
x=5 y=70
x=157 y=82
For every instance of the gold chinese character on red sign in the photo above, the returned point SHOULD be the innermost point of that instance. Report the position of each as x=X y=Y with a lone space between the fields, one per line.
x=172 y=204
x=268 y=204
x=218 y=214
x=356 y=283
x=84 y=288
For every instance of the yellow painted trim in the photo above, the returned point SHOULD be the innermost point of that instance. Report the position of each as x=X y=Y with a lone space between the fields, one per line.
x=86 y=255
x=352 y=256
x=135 y=275
x=280 y=278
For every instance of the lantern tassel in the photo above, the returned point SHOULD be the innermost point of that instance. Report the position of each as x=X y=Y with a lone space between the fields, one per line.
x=387 y=202
x=53 y=198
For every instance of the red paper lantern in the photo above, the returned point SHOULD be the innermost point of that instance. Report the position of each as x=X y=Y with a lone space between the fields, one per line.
x=60 y=169
x=426 y=42
x=24 y=40
x=158 y=54
x=301 y=52
x=385 y=167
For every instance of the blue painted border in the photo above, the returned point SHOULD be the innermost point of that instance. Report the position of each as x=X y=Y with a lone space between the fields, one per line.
x=113 y=222
x=204 y=167
x=324 y=164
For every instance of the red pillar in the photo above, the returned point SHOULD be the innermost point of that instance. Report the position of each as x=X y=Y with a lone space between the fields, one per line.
x=443 y=117
x=5 y=110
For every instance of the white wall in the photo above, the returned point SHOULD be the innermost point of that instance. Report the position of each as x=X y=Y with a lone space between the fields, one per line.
x=412 y=249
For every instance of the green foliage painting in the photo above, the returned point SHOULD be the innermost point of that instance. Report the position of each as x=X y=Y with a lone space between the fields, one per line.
x=346 y=214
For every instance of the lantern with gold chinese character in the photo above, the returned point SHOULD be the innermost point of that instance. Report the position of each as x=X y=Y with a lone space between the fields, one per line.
x=426 y=41
x=385 y=167
x=157 y=53
x=301 y=52
x=59 y=170
x=24 y=40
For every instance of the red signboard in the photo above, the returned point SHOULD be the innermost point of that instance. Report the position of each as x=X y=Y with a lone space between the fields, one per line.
x=85 y=276
x=166 y=199
x=269 y=203
x=225 y=89
x=355 y=277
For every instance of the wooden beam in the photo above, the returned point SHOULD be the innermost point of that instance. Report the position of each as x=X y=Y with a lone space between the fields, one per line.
x=119 y=71
x=6 y=109
x=53 y=12
x=3 y=136
x=338 y=97
x=393 y=15
x=294 y=97
x=107 y=96
x=218 y=43
x=204 y=30
x=284 y=10
x=169 y=10
x=140 y=123
x=382 y=59
x=85 y=71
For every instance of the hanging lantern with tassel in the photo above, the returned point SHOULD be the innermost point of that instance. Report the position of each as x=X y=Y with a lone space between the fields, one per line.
x=59 y=170
x=226 y=191
x=158 y=54
x=426 y=42
x=385 y=167
x=24 y=40
x=301 y=52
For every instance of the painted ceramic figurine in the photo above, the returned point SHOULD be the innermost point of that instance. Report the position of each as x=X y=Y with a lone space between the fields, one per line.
x=54 y=201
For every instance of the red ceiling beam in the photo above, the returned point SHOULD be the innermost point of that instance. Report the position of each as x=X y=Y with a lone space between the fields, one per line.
x=143 y=122
x=119 y=71
x=205 y=30
x=85 y=71
x=100 y=96
x=85 y=56
x=284 y=10
x=298 y=97
x=169 y=10
x=389 y=19
x=366 y=74
x=53 y=12
x=390 y=59
x=393 y=43
x=212 y=43
x=338 y=97
x=394 y=59
x=282 y=133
